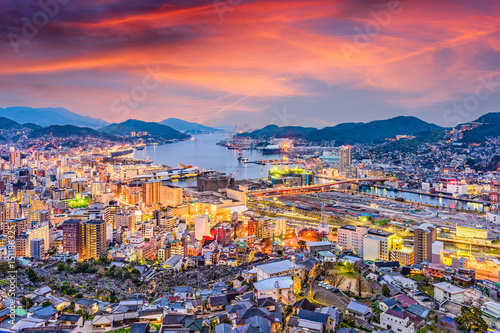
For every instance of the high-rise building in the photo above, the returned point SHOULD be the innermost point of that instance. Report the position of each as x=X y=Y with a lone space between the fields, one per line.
x=280 y=227
x=404 y=255
x=37 y=248
x=151 y=192
x=224 y=234
x=15 y=158
x=39 y=216
x=423 y=237
x=110 y=211
x=345 y=158
x=164 y=218
x=94 y=236
x=201 y=227
x=351 y=237
x=18 y=225
x=377 y=244
x=171 y=196
x=125 y=219
x=73 y=236
x=41 y=230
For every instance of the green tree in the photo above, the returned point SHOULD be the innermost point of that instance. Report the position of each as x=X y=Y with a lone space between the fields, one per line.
x=385 y=290
x=26 y=302
x=32 y=276
x=470 y=320
x=61 y=267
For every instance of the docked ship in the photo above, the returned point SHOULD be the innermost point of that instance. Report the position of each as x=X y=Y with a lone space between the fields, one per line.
x=140 y=147
x=120 y=151
x=271 y=149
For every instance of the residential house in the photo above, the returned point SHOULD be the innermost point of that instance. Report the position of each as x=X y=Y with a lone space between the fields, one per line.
x=359 y=310
x=396 y=321
x=88 y=306
x=279 y=288
x=446 y=291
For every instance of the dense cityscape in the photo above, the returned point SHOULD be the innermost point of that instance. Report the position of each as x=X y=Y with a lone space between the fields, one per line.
x=249 y=166
x=398 y=235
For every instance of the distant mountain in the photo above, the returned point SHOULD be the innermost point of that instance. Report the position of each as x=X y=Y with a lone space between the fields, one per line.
x=7 y=123
x=65 y=131
x=373 y=131
x=490 y=128
x=350 y=133
x=50 y=116
x=280 y=132
x=188 y=127
x=133 y=125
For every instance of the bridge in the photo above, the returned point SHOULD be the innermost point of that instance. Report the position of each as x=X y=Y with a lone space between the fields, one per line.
x=312 y=188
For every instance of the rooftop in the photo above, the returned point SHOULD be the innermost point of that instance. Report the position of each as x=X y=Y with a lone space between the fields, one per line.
x=449 y=288
x=274 y=282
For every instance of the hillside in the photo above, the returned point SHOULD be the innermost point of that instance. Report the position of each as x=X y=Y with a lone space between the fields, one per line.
x=373 y=131
x=280 y=132
x=188 y=127
x=490 y=128
x=49 y=116
x=349 y=133
x=65 y=131
x=155 y=129
x=7 y=123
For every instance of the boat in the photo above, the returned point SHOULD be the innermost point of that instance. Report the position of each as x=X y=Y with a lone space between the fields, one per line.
x=242 y=158
x=120 y=151
x=271 y=149
x=140 y=147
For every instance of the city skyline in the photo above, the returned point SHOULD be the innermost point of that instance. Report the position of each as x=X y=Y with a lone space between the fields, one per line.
x=253 y=62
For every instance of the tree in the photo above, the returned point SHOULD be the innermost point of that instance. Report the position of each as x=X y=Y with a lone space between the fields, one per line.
x=386 y=291
x=335 y=280
x=32 y=276
x=470 y=320
x=213 y=323
x=360 y=285
x=301 y=244
x=26 y=302
x=61 y=267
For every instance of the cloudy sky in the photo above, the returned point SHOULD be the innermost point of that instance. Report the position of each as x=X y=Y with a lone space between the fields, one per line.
x=251 y=62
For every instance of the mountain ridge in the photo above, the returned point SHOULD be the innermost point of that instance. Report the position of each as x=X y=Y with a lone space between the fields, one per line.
x=349 y=133
x=49 y=116
x=188 y=126
x=134 y=125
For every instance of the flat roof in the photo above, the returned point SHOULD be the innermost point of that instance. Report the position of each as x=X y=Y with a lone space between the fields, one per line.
x=448 y=287
x=277 y=266
x=274 y=282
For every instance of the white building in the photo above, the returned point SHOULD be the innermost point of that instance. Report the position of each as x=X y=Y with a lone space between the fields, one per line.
x=459 y=189
x=491 y=309
x=437 y=252
x=351 y=237
x=278 y=268
x=280 y=288
x=371 y=248
x=396 y=321
x=201 y=227
x=446 y=291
